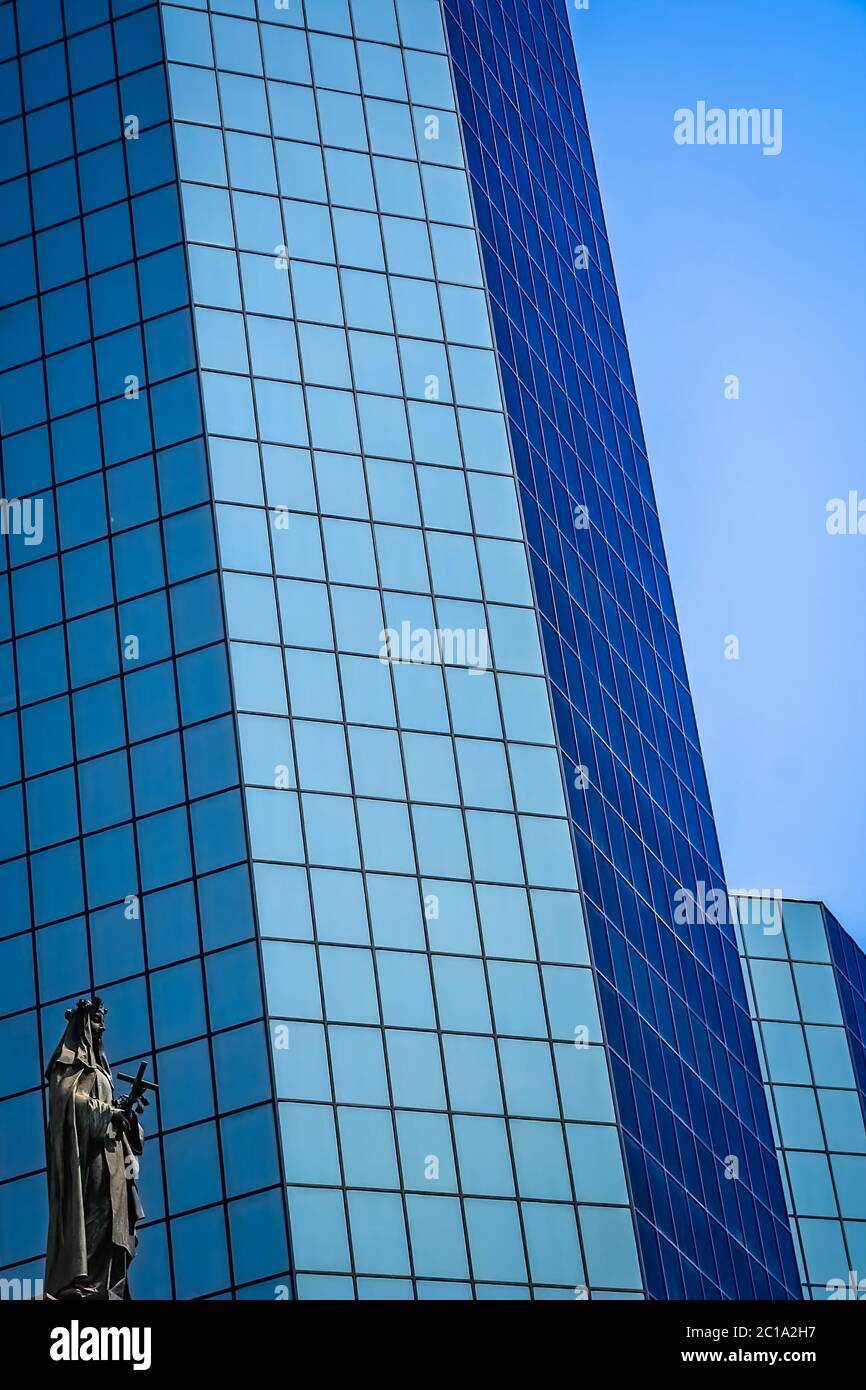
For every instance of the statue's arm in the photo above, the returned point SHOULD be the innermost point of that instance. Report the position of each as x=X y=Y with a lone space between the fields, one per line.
x=93 y=1117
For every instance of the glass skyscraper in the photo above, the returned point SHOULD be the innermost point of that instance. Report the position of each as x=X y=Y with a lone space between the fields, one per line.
x=685 y=1073
x=806 y=980
x=346 y=747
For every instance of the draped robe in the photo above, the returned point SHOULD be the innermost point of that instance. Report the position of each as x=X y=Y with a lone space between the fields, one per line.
x=92 y=1167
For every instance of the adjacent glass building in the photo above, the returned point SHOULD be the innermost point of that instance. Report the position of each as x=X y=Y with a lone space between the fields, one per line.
x=806 y=980
x=346 y=746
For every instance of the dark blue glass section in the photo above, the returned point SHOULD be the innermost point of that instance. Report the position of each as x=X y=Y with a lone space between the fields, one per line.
x=686 y=1073
x=849 y=963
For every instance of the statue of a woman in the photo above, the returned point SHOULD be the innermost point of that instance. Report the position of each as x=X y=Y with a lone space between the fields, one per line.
x=93 y=1145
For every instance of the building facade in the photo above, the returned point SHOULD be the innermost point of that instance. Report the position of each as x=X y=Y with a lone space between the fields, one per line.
x=806 y=980
x=346 y=747
x=686 y=1078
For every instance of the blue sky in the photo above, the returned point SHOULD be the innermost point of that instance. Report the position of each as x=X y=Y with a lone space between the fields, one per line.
x=733 y=262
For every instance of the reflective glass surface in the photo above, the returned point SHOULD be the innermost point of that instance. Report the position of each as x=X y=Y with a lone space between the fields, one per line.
x=282 y=778
x=366 y=819
x=686 y=1078
x=805 y=979
x=425 y=962
x=124 y=863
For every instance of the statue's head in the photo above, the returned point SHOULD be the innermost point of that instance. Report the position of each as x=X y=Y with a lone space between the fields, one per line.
x=98 y=1014
x=90 y=1012
x=83 y=1037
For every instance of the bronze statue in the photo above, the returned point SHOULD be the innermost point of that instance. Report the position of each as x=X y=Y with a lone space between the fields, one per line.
x=93 y=1145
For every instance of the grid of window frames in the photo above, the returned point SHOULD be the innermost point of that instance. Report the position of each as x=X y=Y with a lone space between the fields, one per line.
x=686 y=1079
x=815 y=1105
x=445 y=1106
x=152 y=628
x=123 y=855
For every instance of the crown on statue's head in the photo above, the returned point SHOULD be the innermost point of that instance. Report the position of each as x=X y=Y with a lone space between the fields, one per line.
x=87 y=1006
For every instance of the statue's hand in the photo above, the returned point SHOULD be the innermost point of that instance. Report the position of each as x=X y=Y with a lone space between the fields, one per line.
x=120 y=1120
